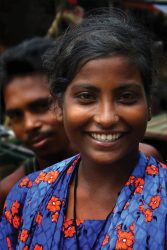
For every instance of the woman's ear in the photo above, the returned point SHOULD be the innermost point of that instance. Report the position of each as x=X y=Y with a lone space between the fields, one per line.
x=59 y=110
x=149 y=113
x=56 y=108
x=59 y=113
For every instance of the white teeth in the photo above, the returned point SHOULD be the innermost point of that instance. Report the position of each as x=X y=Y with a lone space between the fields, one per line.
x=106 y=137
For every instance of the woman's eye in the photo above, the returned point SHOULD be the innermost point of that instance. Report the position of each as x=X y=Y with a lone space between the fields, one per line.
x=86 y=97
x=128 y=98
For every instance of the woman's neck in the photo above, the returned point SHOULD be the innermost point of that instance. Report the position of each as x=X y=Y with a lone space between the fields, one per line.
x=110 y=176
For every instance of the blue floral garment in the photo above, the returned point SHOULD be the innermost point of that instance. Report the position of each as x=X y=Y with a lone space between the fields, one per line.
x=34 y=212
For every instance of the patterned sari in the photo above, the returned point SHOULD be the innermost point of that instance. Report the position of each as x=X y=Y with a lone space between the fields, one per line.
x=34 y=213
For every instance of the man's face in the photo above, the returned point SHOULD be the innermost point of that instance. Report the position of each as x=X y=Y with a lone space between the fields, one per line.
x=33 y=122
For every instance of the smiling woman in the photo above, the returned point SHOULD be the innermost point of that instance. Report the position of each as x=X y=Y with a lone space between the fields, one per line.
x=110 y=196
x=105 y=112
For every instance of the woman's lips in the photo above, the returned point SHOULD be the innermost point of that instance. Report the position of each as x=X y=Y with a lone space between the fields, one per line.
x=106 y=140
x=106 y=137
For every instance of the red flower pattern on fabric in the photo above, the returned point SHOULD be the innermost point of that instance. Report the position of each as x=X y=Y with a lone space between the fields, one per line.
x=126 y=205
x=130 y=181
x=38 y=247
x=155 y=201
x=67 y=223
x=68 y=228
x=55 y=217
x=106 y=240
x=69 y=170
x=9 y=243
x=4 y=207
x=51 y=176
x=79 y=222
x=69 y=232
x=118 y=227
x=26 y=248
x=146 y=212
x=24 y=182
x=132 y=227
x=40 y=178
x=148 y=215
x=152 y=170
x=141 y=208
x=139 y=184
x=38 y=218
x=8 y=216
x=15 y=207
x=16 y=221
x=54 y=204
x=24 y=235
x=163 y=165
x=29 y=184
x=125 y=240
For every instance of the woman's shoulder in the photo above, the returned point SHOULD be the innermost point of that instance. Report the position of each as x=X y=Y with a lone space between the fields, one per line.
x=151 y=167
x=38 y=182
x=42 y=175
x=163 y=167
x=157 y=168
x=153 y=160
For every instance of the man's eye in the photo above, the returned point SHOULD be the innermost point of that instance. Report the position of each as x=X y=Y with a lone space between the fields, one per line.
x=42 y=107
x=14 y=116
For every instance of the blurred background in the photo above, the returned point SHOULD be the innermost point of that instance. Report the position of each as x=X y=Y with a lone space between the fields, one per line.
x=23 y=19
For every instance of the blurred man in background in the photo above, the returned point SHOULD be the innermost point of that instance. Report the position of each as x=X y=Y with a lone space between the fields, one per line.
x=26 y=100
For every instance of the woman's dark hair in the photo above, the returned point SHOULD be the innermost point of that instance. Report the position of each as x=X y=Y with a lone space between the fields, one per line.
x=99 y=36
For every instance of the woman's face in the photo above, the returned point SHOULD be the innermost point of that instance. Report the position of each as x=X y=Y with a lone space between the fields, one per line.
x=105 y=110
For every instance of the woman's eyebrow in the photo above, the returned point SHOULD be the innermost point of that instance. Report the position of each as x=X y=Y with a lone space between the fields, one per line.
x=85 y=86
x=125 y=86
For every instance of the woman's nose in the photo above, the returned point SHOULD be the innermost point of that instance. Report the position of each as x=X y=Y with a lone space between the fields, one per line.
x=106 y=115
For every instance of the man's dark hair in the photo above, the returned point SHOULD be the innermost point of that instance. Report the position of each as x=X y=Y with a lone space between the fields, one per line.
x=22 y=60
